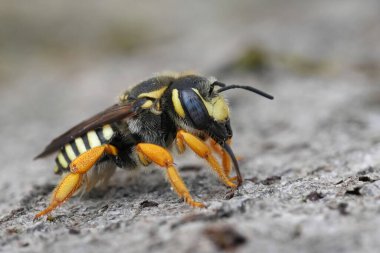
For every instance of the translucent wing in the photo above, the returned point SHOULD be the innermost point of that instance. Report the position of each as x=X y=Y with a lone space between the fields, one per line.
x=111 y=114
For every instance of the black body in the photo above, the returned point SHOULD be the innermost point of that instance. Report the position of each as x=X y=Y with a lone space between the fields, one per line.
x=152 y=112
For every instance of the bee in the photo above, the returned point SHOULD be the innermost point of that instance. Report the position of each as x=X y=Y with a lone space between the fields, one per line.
x=177 y=109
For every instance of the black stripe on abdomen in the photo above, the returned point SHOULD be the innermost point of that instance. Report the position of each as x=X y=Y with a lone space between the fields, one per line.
x=100 y=135
x=75 y=148
x=86 y=142
x=63 y=151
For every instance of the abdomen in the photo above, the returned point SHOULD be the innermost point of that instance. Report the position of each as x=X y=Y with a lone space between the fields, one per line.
x=73 y=149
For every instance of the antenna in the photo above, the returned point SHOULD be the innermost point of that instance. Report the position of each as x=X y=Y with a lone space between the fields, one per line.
x=249 y=88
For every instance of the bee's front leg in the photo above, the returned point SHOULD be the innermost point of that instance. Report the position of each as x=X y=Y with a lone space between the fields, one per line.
x=226 y=160
x=202 y=150
x=71 y=182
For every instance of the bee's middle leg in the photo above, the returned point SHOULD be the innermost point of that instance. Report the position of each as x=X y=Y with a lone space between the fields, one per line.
x=153 y=153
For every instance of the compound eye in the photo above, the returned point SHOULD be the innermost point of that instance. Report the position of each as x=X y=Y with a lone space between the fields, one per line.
x=195 y=109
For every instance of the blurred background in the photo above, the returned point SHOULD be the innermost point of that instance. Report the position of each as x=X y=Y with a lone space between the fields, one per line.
x=62 y=61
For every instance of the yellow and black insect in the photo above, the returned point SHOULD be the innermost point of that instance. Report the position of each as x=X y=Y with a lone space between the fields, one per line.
x=184 y=109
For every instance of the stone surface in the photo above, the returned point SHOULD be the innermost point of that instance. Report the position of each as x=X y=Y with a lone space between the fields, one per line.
x=310 y=158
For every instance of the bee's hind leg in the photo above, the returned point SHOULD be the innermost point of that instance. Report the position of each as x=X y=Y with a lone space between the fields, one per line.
x=153 y=153
x=71 y=182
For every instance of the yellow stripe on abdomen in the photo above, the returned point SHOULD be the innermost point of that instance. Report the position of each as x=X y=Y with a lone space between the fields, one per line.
x=70 y=152
x=62 y=161
x=93 y=139
x=107 y=132
x=80 y=145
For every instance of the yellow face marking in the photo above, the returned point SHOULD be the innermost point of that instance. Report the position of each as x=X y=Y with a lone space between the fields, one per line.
x=217 y=108
x=156 y=94
x=93 y=139
x=221 y=110
x=177 y=104
x=56 y=169
x=70 y=152
x=80 y=145
x=62 y=160
x=107 y=132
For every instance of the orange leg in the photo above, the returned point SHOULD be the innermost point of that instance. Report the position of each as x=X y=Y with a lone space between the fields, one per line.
x=202 y=150
x=153 y=153
x=71 y=182
x=226 y=161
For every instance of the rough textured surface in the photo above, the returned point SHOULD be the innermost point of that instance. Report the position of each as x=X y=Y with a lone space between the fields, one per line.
x=311 y=157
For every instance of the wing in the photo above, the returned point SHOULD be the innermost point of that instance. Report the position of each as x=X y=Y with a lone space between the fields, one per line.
x=111 y=114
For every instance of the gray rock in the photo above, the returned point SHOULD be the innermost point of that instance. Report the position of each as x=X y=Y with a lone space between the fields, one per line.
x=311 y=157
